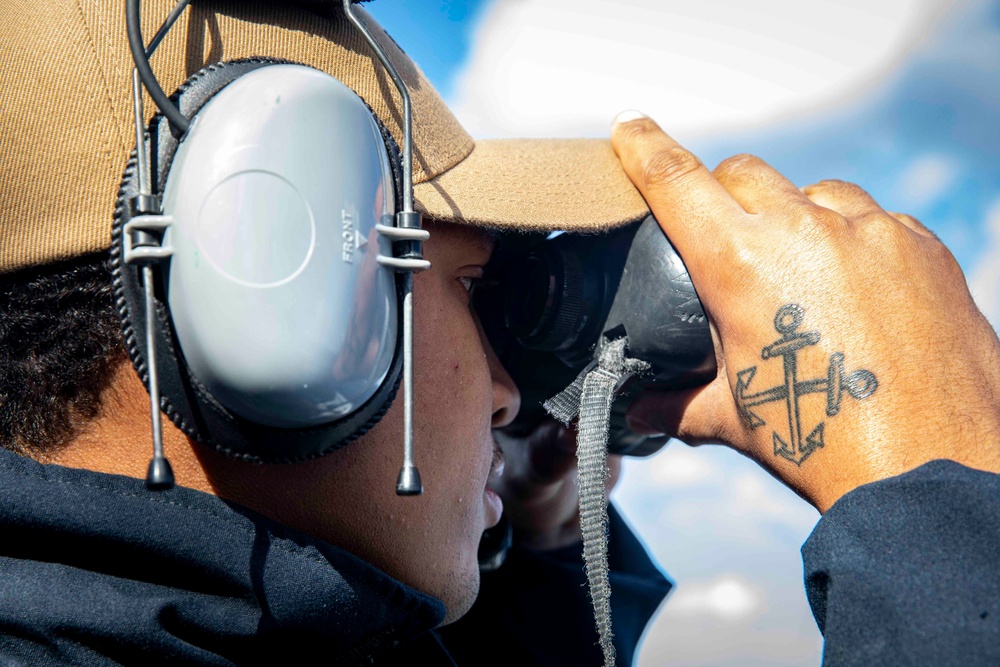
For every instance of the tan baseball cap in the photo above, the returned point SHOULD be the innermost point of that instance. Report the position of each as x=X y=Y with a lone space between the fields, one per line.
x=66 y=125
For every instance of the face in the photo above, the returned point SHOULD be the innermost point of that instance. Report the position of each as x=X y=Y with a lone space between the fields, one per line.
x=461 y=392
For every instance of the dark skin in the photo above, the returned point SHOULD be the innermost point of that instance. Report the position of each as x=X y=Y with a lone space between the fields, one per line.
x=877 y=287
x=348 y=497
x=824 y=248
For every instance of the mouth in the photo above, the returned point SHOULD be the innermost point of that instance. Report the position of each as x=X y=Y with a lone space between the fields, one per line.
x=491 y=501
x=496 y=465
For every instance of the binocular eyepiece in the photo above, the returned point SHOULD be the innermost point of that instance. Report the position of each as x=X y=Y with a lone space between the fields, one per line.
x=550 y=303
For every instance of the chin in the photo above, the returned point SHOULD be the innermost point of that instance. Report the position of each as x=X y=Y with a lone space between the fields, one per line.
x=459 y=591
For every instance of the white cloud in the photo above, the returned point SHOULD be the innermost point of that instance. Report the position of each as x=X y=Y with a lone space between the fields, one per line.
x=681 y=467
x=926 y=179
x=984 y=277
x=730 y=620
x=561 y=68
x=738 y=507
x=753 y=493
x=728 y=596
x=729 y=534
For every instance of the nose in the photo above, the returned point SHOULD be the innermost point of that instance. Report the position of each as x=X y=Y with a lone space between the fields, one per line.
x=506 y=396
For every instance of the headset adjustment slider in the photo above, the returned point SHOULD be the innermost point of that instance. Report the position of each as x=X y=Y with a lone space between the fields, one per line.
x=407 y=237
x=143 y=239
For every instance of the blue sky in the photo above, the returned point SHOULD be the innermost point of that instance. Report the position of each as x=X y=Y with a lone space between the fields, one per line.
x=437 y=34
x=919 y=133
x=934 y=118
x=900 y=96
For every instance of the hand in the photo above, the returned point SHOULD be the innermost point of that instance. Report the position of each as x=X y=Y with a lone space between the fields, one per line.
x=849 y=348
x=539 y=485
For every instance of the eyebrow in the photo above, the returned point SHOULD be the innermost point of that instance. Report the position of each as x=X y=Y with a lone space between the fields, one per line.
x=484 y=238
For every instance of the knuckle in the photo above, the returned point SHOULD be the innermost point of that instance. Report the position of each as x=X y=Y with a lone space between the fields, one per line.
x=885 y=235
x=940 y=252
x=668 y=165
x=637 y=129
x=743 y=261
x=881 y=228
x=736 y=166
x=818 y=219
x=840 y=193
x=915 y=225
x=817 y=228
x=827 y=184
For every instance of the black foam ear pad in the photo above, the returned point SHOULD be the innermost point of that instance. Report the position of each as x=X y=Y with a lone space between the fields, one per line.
x=184 y=399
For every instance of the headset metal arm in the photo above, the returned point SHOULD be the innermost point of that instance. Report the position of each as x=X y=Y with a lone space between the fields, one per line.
x=407 y=107
x=407 y=229
x=144 y=249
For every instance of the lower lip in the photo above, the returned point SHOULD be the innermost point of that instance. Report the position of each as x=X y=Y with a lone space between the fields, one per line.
x=494 y=507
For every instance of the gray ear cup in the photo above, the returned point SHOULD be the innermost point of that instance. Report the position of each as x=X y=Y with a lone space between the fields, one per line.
x=220 y=296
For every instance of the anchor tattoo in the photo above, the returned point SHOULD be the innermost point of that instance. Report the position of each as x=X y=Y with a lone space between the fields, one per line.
x=860 y=385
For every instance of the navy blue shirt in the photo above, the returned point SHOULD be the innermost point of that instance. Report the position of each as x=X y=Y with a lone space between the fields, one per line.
x=535 y=610
x=906 y=571
x=95 y=570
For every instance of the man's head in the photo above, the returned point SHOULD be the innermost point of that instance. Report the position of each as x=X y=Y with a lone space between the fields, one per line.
x=69 y=396
x=58 y=191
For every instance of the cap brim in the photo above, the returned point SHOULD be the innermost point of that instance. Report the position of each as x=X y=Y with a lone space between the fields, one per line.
x=535 y=185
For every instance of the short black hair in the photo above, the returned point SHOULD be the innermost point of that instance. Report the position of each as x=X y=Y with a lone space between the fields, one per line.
x=60 y=343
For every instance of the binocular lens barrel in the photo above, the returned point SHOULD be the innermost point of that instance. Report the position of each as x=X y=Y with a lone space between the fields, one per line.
x=556 y=297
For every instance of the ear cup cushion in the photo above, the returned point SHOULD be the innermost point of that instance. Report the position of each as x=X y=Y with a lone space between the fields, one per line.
x=185 y=400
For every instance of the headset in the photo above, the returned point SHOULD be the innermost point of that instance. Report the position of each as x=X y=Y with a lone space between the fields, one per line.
x=264 y=246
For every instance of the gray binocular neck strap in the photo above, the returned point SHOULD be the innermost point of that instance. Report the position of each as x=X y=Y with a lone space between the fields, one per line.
x=590 y=396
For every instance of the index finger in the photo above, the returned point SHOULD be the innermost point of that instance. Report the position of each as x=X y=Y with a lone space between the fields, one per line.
x=688 y=202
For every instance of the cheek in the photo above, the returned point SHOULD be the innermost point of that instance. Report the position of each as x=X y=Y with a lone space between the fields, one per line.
x=452 y=438
x=451 y=372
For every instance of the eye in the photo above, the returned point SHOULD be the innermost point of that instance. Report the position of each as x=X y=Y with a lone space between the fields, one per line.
x=469 y=278
x=468 y=282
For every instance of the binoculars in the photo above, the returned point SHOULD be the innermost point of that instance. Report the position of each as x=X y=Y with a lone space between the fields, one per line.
x=548 y=304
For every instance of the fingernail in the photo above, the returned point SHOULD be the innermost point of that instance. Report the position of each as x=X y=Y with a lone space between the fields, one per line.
x=628 y=115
